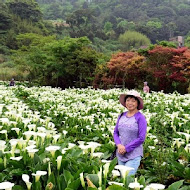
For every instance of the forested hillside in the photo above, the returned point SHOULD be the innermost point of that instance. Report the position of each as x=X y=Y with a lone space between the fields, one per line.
x=72 y=42
x=157 y=19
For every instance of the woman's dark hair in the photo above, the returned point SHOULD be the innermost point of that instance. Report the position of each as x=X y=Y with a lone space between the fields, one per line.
x=131 y=96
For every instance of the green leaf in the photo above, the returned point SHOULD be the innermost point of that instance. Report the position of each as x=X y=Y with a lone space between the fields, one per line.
x=112 y=165
x=51 y=179
x=1 y=164
x=18 y=187
x=91 y=188
x=116 y=187
x=16 y=172
x=38 y=185
x=176 y=185
x=187 y=173
x=142 y=180
x=75 y=184
x=17 y=164
x=129 y=179
x=2 y=176
x=184 y=188
x=94 y=179
x=61 y=182
x=68 y=177
x=76 y=153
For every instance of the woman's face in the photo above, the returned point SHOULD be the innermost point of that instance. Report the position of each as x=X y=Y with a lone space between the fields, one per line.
x=131 y=104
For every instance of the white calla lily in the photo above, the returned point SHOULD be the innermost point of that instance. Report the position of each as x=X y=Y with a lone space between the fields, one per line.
x=155 y=186
x=38 y=174
x=52 y=149
x=26 y=178
x=59 y=159
x=135 y=185
x=6 y=185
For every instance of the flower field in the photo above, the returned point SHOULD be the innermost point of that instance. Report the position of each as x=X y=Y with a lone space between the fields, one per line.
x=61 y=139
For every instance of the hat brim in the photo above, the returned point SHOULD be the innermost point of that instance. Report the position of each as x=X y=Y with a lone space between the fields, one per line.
x=122 y=100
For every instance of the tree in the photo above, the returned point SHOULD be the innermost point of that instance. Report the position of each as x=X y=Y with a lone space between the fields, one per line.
x=169 y=68
x=5 y=18
x=56 y=62
x=124 y=69
x=132 y=39
x=25 y=9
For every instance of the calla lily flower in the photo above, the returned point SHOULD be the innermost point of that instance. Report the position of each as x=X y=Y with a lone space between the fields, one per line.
x=81 y=142
x=13 y=122
x=16 y=129
x=116 y=183
x=28 y=134
x=2 y=145
x=84 y=148
x=124 y=171
x=38 y=174
x=41 y=129
x=55 y=138
x=6 y=185
x=100 y=177
x=59 y=159
x=115 y=173
x=187 y=148
x=135 y=185
x=45 y=160
x=187 y=136
x=106 y=169
x=82 y=180
x=42 y=135
x=97 y=154
x=52 y=149
x=64 y=132
x=26 y=178
x=16 y=158
x=155 y=186
x=30 y=147
x=4 y=120
x=151 y=147
x=71 y=145
x=21 y=143
x=26 y=121
x=93 y=146
x=31 y=152
x=31 y=127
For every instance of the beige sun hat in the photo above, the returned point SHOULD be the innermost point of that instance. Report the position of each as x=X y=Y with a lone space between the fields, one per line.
x=131 y=93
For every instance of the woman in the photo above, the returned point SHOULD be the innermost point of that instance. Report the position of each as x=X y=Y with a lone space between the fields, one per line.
x=146 y=88
x=130 y=131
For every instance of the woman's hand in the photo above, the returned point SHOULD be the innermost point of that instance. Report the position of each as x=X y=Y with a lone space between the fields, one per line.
x=121 y=149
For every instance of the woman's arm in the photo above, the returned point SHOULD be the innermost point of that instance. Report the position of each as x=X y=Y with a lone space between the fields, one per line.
x=116 y=132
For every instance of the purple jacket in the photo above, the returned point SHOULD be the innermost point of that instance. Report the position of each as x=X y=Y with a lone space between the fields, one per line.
x=131 y=136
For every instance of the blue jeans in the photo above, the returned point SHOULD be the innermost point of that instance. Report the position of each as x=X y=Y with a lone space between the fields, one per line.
x=134 y=163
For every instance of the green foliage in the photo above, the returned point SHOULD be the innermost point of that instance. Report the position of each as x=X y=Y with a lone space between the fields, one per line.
x=54 y=62
x=167 y=44
x=108 y=27
x=176 y=185
x=154 y=24
x=132 y=39
x=25 y=9
x=5 y=18
x=106 y=46
x=187 y=40
x=158 y=20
